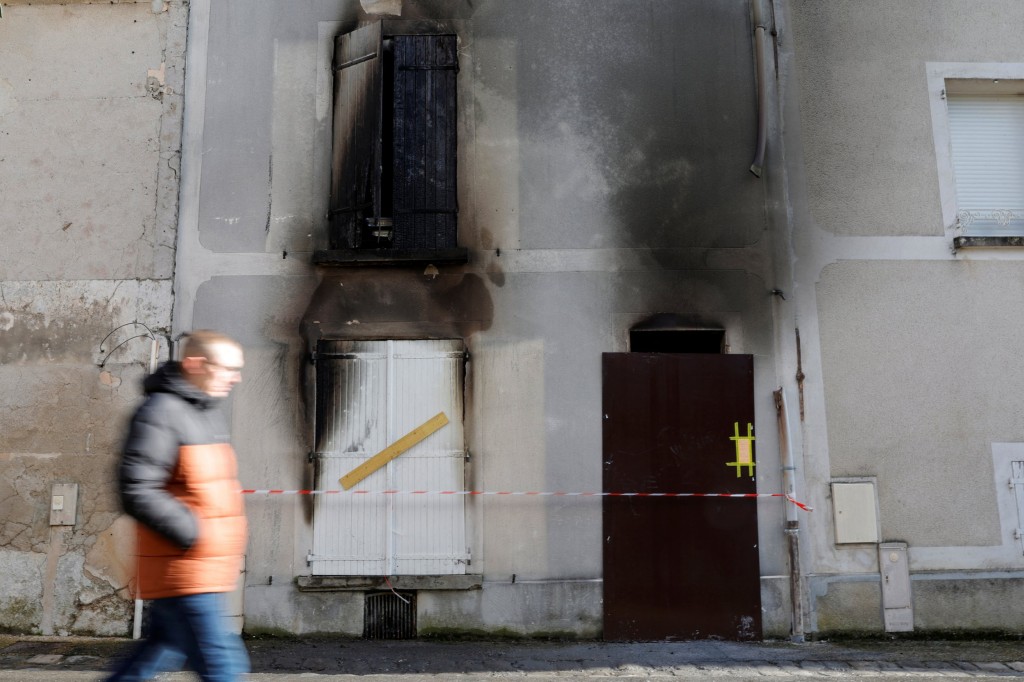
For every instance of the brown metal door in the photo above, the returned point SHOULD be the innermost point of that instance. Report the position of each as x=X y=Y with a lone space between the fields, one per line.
x=680 y=567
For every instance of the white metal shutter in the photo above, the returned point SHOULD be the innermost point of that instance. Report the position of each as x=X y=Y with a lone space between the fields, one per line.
x=370 y=394
x=987 y=144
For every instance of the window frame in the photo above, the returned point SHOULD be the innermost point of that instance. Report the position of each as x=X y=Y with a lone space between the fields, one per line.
x=394 y=195
x=981 y=78
x=369 y=394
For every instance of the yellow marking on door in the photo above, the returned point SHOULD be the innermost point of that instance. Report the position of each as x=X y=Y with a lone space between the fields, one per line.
x=744 y=450
x=394 y=450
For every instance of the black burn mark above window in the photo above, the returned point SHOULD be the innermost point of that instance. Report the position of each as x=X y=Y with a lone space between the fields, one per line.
x=393 y=170
x=363 y=304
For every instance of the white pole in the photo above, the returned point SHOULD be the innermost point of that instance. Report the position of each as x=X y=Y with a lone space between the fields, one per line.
x=792 y=528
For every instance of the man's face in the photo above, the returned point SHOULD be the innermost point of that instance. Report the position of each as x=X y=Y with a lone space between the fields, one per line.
x=218 y=372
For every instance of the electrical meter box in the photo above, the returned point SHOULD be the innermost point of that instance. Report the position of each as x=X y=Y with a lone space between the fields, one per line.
x=855 y=511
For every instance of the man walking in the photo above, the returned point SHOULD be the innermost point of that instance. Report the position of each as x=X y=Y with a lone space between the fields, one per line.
x=178 y=479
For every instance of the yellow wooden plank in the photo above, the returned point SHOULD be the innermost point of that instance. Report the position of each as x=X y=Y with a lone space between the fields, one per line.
x=394 y=450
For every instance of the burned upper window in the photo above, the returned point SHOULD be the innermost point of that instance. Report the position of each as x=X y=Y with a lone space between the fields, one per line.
x=393 y=169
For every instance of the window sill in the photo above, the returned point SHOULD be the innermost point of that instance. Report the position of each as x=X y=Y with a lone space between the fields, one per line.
x=363 y=583
x=988 y=242
x=355 y=258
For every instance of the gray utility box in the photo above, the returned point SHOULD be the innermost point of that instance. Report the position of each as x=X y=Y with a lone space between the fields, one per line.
x=897 y=602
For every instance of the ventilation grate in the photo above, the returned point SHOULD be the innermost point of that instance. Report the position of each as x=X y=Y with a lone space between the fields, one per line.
x=390 y=615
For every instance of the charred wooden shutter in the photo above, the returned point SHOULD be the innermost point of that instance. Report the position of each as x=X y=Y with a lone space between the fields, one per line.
x=424 y=141
x=393 y=182
x=356 y=156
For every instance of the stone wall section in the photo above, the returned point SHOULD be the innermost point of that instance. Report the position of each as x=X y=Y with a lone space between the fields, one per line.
x=90 y=140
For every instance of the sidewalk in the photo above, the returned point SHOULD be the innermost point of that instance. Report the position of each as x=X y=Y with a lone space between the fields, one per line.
x=320 y=659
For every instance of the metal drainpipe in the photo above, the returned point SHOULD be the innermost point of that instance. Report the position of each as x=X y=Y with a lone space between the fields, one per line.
x=792 y=530
x=762 y=88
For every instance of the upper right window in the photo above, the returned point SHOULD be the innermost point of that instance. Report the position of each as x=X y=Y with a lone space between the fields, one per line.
x=986 y=135
x=977 y=116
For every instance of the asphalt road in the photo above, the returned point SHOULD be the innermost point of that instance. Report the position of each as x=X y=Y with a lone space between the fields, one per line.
x=26 y=659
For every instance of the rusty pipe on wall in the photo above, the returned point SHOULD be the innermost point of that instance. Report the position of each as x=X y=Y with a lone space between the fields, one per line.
x=792 y=528
x=761 y=69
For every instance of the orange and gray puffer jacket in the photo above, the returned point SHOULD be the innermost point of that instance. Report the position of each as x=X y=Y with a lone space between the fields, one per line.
x=178 y=479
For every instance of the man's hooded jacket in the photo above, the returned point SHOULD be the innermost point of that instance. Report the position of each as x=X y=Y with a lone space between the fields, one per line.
x=179 y=479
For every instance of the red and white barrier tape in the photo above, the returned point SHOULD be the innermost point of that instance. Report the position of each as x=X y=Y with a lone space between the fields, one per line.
x=789 y=499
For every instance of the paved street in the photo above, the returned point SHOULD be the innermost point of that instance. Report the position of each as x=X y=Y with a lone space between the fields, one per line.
x=25 y=659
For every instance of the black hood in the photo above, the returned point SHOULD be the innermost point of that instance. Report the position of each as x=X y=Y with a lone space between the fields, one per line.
x=168 y=379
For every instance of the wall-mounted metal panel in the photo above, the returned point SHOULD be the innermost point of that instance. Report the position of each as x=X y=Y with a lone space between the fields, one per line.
x=897 y=605
x=854 y=509
x=1017 y=485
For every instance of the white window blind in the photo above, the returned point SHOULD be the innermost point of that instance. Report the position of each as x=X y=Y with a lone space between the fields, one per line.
x=987 y=145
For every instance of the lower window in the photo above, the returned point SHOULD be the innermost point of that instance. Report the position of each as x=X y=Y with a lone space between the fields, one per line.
x=369 y=395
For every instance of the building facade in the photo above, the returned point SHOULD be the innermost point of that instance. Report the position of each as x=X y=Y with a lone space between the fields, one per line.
x=730 y=247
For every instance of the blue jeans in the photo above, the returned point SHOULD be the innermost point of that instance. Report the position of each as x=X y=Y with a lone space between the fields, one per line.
x=192 y=629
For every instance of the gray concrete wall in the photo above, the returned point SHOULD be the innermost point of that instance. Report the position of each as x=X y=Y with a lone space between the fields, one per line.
x=909 y=347
x=90 y=114
x=603 y=178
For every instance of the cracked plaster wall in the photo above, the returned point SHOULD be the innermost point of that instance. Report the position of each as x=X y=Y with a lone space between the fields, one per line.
x=90 y=125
